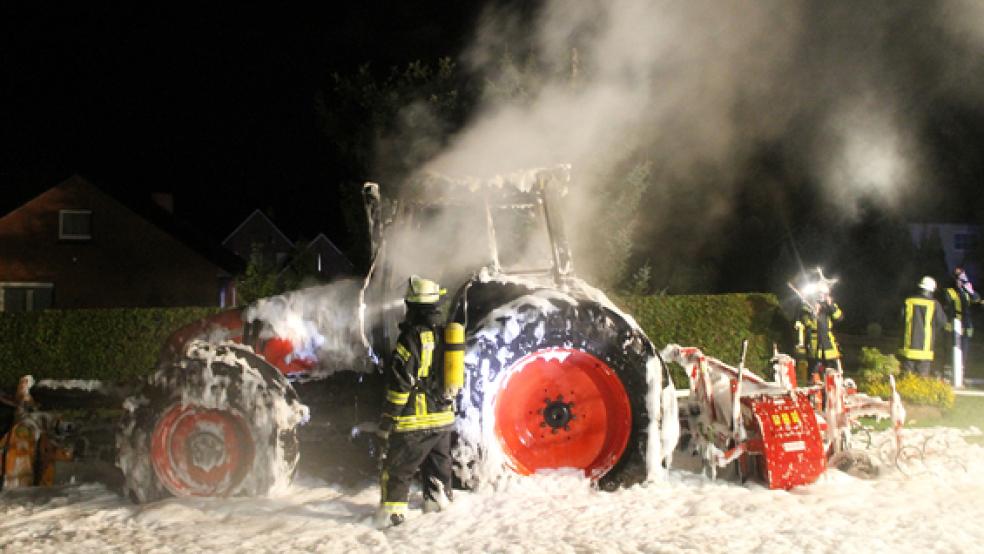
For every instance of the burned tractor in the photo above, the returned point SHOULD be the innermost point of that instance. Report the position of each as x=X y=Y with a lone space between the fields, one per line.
x=555 y=375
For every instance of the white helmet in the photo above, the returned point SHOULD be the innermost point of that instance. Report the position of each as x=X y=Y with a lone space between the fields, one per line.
x=423 y=291
x=927 y=284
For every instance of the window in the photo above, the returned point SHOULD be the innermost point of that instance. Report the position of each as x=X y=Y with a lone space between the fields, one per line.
x=75 y=224
x=25 y=297
x=964 y=241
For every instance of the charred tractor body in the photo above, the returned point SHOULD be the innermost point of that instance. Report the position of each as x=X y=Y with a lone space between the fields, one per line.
x=555 y=376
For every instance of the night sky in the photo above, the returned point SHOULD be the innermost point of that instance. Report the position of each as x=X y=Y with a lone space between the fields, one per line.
x=218 y=106
x=213 y=105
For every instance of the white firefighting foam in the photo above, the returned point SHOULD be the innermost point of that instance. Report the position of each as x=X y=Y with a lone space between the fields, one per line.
x=936 y=512
x=322 y=324
x=267 y=410
x=88 y=385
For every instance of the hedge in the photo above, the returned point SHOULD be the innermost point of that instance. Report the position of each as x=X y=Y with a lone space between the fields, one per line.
x=714 y=323
x=110 y=344
x=115 y=344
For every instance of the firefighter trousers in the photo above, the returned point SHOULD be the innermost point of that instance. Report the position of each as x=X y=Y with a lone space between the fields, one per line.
x=430 y=451
x=922 y=367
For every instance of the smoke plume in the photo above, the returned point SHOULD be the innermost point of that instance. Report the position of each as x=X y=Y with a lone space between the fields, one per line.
x=699 y=89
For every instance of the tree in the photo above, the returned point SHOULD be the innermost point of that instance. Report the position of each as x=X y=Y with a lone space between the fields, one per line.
x=386 y=125
x=259 y=280
x=617 y=219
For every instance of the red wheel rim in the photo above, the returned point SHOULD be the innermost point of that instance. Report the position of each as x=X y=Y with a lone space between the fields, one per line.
x=197 y=451
x=563 y=408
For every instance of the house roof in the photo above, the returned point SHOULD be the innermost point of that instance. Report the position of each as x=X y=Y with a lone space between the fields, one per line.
x=322 y=237
x=257 y=213
x=182 y=231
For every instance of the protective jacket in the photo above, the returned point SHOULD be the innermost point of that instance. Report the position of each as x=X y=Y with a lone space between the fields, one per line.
x=924 y=318
x=958 y=302
x=415 y=398
x=816 y=332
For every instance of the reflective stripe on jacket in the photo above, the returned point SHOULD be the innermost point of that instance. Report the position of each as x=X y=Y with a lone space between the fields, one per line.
x=959 y=304
x=924 y=317
x=815 y=333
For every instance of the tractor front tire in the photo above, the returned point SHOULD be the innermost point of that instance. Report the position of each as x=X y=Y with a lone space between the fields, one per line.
x=219 y=422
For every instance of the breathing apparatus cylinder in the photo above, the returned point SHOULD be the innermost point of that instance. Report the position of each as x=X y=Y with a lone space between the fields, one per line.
x=454 y=359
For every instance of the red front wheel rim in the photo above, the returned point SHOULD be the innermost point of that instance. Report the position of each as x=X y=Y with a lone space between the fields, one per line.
x=198 y=451
x=562 y=408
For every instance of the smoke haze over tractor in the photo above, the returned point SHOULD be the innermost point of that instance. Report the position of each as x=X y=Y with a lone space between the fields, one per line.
x=840 y=92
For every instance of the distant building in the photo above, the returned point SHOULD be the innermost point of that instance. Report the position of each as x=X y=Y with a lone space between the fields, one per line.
x=960 y=243
x=320 y=258
x=74 y=246
x=259 y=236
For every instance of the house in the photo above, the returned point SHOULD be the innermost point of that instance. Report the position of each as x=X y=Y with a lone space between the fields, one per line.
x=960 y=242
x=258 y=238
x=258 y=235
x=74 y=246
x=321 y=259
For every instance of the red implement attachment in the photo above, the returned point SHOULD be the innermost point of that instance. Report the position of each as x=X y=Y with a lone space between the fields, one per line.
x=30 y=448
x=563 y=408
x=778 y=431
x=792 y=451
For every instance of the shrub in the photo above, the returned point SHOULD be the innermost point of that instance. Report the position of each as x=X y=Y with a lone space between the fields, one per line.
x=917 y=389
x=714 y=323
x=875 y=368
x=111 y=344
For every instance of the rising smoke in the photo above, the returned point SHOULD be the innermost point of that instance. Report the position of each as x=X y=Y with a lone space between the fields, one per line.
x=699 y=89
x=841 y=92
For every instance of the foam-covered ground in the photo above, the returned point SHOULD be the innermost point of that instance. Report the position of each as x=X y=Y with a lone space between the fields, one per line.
x=937 y=508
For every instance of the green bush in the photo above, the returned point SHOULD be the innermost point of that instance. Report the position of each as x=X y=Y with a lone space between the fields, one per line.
x=714 y=323
x=111 y=344
x=873 y=378
x=875 y=367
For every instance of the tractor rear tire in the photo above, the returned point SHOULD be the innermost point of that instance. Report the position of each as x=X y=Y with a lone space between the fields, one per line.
x=219 y=422
x=554 y=382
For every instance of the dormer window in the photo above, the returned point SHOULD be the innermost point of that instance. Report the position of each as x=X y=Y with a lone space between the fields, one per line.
x=75 y=224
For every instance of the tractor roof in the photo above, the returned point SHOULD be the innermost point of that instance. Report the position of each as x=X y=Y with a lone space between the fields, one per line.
x=516 y=188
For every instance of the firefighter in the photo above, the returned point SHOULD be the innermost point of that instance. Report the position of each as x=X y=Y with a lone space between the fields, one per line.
x=417 y=415
x=959 y=298
x=815 y=332
x=924 y=319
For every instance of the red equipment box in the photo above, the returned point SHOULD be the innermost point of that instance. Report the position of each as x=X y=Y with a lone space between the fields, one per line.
x=793 y=452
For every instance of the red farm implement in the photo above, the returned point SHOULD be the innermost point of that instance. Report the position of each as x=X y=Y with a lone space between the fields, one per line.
x=774 y=431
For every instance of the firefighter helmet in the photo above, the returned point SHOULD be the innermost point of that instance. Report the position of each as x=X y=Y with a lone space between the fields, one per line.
x=927 y=284
x=423 y=291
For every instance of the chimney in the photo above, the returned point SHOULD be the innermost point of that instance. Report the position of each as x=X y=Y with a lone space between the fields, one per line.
x=165 y=200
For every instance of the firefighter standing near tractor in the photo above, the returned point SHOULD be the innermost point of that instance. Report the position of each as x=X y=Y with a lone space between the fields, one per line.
x=418 y=412
x=960 y=297
x=924 y=319
x=815 y=331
